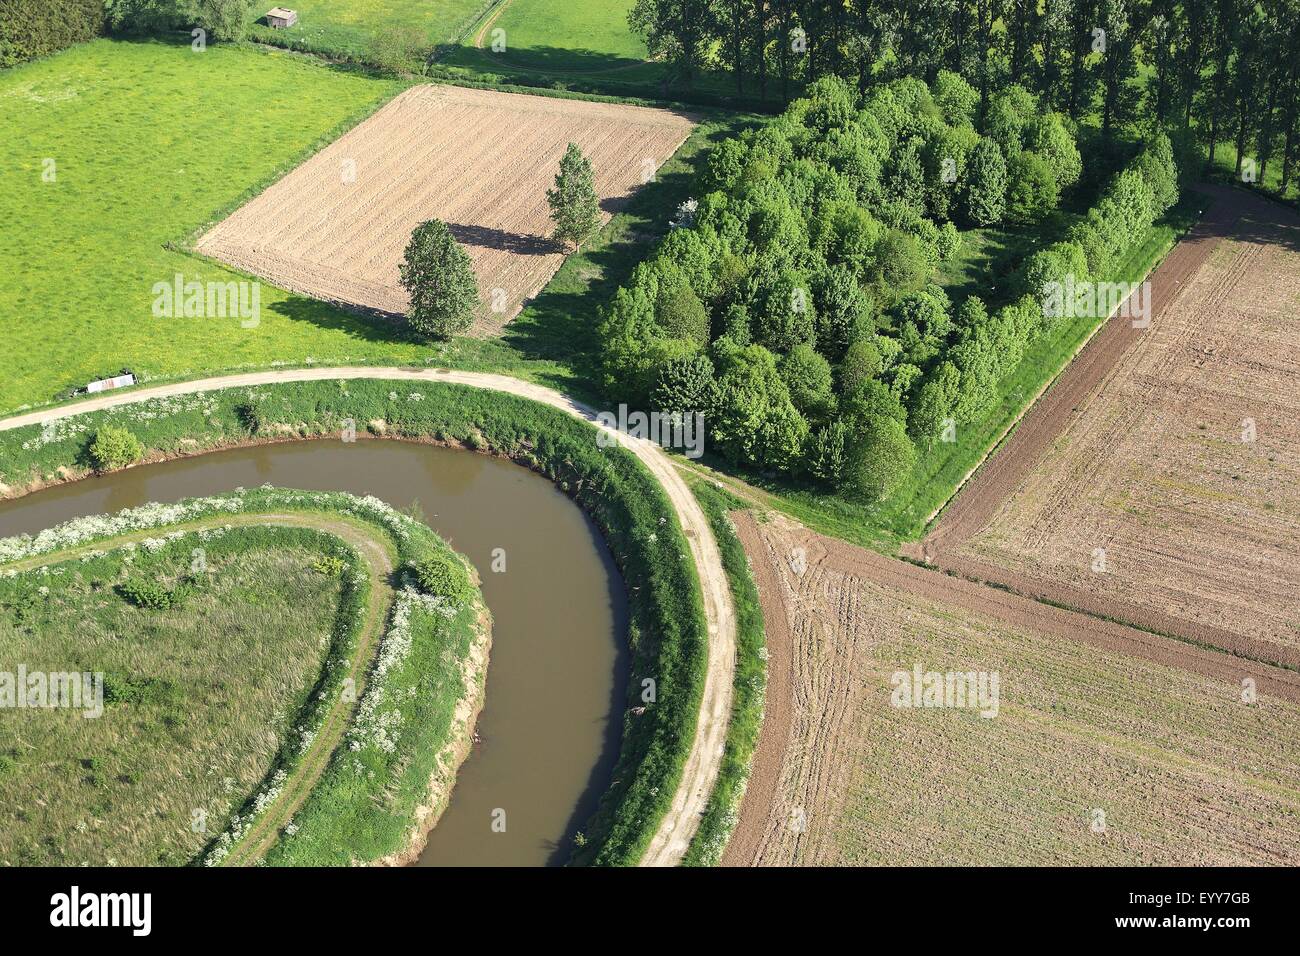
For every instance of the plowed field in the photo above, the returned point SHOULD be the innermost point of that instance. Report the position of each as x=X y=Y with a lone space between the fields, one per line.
x=1166 y=491
x=1104 y=750
x=336 y=227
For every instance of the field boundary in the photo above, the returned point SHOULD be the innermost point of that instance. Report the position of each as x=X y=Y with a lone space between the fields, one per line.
x=1038 y=424
x=1096 y=335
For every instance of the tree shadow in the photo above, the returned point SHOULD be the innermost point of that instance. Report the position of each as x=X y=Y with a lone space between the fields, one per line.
x=369 y=325
x=561 y=322
x=592 y=71
x=488 y=237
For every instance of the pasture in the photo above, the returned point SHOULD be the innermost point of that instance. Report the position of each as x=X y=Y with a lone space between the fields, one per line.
x=346 y=28
x=117 y=152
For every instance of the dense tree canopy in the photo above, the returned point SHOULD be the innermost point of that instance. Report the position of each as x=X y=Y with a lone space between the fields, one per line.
x=797 y=311
x=1225 y=72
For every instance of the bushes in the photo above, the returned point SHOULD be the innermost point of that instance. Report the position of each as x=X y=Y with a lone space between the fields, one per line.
x=986 y=183
x=221 y=19
x=685 y=385
x=251 y=416
x=330 y=565
x=440 y=576
x=397 y=49
x=756 y=422
x=1032 y=191
x=114 y=448
x=146 y=593
x=878 y=458
x=32 y=28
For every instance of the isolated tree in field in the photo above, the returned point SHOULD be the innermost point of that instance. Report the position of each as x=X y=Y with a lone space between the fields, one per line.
x=440 y=281
x=574 y=205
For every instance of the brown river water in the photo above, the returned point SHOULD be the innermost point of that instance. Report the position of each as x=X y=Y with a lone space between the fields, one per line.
x=549 y=732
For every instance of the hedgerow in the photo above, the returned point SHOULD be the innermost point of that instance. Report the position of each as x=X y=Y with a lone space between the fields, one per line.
x=32 y=28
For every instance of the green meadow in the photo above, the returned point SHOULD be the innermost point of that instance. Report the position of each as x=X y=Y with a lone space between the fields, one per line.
x=116 y=154
x=345 y=28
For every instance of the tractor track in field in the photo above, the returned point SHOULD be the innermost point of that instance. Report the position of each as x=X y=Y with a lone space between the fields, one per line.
x=812 y=643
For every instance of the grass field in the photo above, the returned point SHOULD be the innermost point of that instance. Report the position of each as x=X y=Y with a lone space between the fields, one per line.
x=199 y=695
x=149 y=142
x=136 y=177
x=561 y=37
x=345 y=28
x=584 y=45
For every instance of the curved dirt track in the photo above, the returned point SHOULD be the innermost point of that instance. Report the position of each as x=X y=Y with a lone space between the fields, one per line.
x=1103 y=365
x=675 y=831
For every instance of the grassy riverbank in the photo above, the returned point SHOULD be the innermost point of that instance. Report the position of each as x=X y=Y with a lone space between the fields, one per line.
x=198 y=696
x=666 y=632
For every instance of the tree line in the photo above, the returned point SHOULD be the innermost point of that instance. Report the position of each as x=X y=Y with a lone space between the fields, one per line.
x=1226 y=72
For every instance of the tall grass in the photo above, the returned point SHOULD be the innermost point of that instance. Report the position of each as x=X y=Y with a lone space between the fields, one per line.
x=199 y=696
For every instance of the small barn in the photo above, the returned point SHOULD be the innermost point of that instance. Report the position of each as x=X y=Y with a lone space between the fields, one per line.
x=279 y=18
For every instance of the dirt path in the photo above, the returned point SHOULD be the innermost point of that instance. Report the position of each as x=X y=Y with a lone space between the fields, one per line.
x=753 y=829
x=262 y=835
x=701 y=771
x=487 y=24
x=374 y=553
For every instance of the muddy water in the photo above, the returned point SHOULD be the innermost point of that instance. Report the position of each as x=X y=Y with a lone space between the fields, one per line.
x=548 y=733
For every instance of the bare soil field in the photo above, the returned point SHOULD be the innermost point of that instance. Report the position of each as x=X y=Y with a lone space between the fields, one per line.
x=1098 y=754
x=336 y=227
x=1158 y=481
